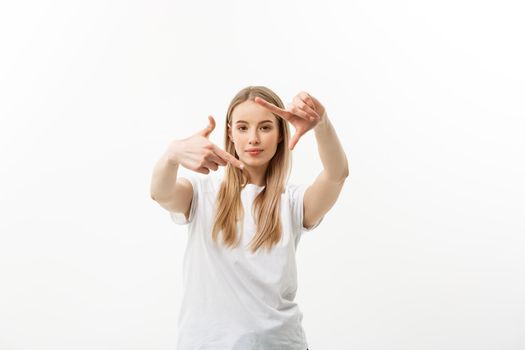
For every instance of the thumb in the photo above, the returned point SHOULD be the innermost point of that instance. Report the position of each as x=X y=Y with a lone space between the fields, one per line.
x=207 y=131
x=294 y=140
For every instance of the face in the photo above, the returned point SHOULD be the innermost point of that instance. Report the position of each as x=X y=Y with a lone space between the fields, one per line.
x=253 y=126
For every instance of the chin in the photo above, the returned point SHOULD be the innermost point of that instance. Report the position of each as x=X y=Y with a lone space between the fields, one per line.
x=258 y=161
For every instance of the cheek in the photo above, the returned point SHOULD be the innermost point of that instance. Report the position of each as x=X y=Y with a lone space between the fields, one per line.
x=275 y=137
x=236 y=137
x=239 y=138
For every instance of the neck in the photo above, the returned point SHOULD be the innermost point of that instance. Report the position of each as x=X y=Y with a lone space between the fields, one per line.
x=256 y=176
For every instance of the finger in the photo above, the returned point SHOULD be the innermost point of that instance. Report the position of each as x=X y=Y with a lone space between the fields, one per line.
x=203 y=170
x=228 y=157
x=306 y=97
x=210 y=165
x=294 y=140
x=207 y=131
x=305 y=107
x=273 y=108
x=217 y=160
x=299 y=112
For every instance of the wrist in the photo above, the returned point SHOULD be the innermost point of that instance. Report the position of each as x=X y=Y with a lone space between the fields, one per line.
x=171 y=156
x=323 y=124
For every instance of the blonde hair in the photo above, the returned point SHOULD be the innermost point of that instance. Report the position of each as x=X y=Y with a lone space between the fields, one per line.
x=267 y=204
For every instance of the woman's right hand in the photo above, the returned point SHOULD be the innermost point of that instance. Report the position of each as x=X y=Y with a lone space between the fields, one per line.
x=197 y=153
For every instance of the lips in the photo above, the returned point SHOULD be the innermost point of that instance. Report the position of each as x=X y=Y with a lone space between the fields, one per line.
x=254 y=151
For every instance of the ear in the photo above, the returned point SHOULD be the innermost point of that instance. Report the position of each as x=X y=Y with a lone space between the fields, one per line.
x=229 y=132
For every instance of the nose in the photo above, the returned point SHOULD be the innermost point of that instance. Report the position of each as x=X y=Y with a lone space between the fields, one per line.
x=254 y=137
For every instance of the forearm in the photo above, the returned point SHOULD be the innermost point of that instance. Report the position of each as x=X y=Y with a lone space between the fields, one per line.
x=164 y=179
x=331 y=152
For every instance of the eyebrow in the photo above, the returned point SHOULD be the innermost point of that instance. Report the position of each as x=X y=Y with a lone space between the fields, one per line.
x=244 y=121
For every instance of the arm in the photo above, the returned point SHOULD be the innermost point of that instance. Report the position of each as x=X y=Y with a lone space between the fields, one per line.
x=171 y=193
x=322 y=194
x=196 y=153
x=305 y=113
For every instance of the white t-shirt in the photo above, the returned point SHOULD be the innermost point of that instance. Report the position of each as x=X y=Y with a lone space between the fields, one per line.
x=233 y=299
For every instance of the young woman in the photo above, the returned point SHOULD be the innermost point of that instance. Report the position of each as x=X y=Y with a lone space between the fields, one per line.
x=240 y=276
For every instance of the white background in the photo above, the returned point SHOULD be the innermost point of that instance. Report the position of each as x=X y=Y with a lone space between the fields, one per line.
x=424 y=248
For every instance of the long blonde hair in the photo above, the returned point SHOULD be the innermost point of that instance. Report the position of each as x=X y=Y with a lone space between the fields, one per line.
x=267 y=204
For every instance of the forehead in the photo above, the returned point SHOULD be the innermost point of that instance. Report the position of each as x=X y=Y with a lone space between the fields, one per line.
x=251 y=112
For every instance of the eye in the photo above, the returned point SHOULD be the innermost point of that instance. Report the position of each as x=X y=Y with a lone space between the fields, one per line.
x=242 y=128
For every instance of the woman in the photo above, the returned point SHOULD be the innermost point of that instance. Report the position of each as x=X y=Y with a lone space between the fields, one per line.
x=240 y=276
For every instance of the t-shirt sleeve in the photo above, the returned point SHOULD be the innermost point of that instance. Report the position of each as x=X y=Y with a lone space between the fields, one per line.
x=180 y=218
x=297 y=196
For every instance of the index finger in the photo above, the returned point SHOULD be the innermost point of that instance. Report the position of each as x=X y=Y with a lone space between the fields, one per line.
x=228 y=157
x=273 y=108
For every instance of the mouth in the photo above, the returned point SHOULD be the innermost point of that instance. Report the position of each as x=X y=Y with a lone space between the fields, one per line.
x=254 y=152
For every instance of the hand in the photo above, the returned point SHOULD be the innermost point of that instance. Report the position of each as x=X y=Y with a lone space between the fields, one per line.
x=197 y=153
x=304 y=113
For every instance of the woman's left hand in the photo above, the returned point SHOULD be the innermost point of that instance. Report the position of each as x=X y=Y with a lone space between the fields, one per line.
x=304 y=113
